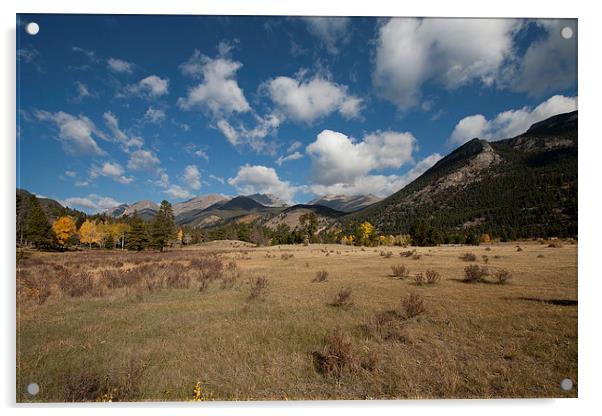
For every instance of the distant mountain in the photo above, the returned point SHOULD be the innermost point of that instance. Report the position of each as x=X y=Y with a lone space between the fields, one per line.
x=525 y=186
x=345 y=203
x=268 y=200
x=197 y=203
x=290 y=216
x=243 y=203
x=146 y=210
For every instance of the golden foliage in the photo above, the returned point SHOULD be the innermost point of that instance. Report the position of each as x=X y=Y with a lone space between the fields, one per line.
x=64 y=228
x=89 y=233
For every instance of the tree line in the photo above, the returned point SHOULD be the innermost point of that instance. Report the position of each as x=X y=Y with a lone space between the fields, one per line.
x=99 y=231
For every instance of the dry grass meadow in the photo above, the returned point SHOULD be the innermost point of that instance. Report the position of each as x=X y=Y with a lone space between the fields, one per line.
x=226 y=321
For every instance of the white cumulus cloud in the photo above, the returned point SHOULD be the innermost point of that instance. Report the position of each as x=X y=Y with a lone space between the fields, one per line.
x=510 y=123
x=119 y=65
x=192 y=177
x=144 y=160
x=449 y=52
x=91 y=203
x=219 y=92
x=112 y=170
x=287 y=158
x=336 y=158
x=252 y=179
x=75 y=132
x=154 y=115
x=177 y=192
x=330 y=30
x=380 y=185
x=152 y=86
x=550 y=63
x=119 y=136
x=307 y=100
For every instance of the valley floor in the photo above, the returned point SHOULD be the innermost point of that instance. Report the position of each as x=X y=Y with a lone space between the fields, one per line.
x=146 y=341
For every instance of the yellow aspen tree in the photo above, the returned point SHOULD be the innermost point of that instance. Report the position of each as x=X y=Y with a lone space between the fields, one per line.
x=180 y=236
x=64 y=228
x=88 y=233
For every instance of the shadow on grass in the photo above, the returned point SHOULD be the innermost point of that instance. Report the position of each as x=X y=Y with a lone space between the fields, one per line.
x=559 y=302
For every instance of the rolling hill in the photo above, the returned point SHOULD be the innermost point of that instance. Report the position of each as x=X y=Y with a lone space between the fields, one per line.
x=345 y=203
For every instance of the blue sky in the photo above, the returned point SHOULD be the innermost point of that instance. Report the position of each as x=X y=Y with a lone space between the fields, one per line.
x=114 y=109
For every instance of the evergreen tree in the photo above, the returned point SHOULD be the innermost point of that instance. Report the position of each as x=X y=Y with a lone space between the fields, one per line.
x=137 y=238
x=109 y=242
x=163 y=227
x=37 y=229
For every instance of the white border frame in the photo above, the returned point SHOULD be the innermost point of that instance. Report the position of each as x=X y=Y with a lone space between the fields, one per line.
x=590 y=288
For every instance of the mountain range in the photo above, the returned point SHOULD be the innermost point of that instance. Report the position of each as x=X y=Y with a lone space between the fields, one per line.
x=523 y=186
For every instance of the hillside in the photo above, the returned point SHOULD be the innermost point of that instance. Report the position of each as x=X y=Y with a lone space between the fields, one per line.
x=345 y=203
x=52 y=208
x=290 y=216
x=524 y=186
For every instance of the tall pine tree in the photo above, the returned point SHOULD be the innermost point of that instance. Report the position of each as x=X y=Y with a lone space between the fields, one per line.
x=137 y=238
x=163 y=227
x=37 y=229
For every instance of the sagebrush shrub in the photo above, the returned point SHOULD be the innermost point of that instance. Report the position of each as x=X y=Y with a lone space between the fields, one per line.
x=468 y=257
x=386 y=325
x=475 y=273
x=259 y=286
x=342 y=298
x=400 y=271
x=412 y=305
x=321 y=276
x=432 y=277
x=419 y=279
x=502 y=276
x=76 y=285
x=336 y=357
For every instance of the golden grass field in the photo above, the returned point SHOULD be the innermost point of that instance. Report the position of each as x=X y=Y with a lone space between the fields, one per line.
x=149 y=342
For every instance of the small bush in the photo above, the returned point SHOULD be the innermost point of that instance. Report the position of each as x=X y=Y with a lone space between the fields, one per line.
x=487 y=248
x=485 y=258
x=432 y=277
x=468 y=257
x=321 y=276
x=419 y=279
x=386 y=254
x=90 y=386
x=34 y=286
x=475 y=273
x=387 y=326
x=286 y=256
x=540 y=256
x=412 y=305
x=502 y=276
x=519 y=248
x=400 y=271
x=408 y=253
x=259 y=287
x=342 y=298
x=76 y=285
x=555 y=244
x=416 y=256
x=178 y=278
x=336 y=357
